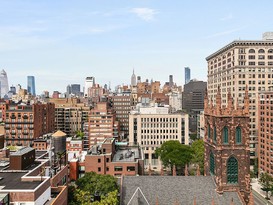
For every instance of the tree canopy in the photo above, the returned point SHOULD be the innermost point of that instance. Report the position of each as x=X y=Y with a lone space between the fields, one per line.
x=198 y=157
x=174 y=153
x=266 y=181
x=92 y=183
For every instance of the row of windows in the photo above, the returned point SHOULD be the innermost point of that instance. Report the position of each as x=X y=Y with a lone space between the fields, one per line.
x=159 y=119
x=144 y=125
x=159 y=131
x=225 y=134
x=232 y=168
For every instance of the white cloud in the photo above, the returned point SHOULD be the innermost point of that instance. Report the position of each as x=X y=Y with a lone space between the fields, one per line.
x=228 y=17
x=146 y=14
x=223 y=33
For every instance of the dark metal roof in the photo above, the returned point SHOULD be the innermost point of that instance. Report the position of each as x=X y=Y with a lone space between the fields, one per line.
x=169 y=189
x=22 y=151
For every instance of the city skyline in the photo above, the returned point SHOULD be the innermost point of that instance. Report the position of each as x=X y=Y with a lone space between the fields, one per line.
x=155 y=38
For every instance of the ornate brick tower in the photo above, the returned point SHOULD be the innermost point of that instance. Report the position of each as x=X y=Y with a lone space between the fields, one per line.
x=227 y=145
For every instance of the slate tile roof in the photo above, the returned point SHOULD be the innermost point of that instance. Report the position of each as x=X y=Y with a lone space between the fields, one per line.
x=138 y=190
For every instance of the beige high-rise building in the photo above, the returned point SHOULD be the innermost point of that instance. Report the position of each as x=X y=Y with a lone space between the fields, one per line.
x=239 y=65
x=151 y=126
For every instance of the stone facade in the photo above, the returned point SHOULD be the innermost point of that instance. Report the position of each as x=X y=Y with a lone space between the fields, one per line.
x=218 y=151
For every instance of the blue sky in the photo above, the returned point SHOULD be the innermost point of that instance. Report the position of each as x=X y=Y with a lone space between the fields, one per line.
x=61 y=42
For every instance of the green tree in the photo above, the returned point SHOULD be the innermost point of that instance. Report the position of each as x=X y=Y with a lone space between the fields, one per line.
x=80 y=134
x=174 y=153
x=198 y=157
x=266 y=181
x=193 y=136
x=110 y=199
x=90 y=184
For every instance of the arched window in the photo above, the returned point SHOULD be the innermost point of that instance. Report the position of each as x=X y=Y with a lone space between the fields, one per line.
x=214 y=133
x=270 y=51
x=225 y=135
x=232 y=170
x=211 y=164
x=251 y=51
x=209 y=131
x=261 y=51
x=238 y=135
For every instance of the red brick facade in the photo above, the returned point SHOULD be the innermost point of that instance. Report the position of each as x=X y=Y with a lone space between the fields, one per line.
x=219 y=150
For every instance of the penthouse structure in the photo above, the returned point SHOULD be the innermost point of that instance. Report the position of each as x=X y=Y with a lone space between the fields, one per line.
x=241 y=63
x=151 y=126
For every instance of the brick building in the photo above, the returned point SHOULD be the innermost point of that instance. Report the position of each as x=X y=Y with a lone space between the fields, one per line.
x=70 y=115
x=25 y=123
x=265 y=114
x=227 y=155
x=122 y=106
x=112 y=158
x=28 y=180
x=102 y=124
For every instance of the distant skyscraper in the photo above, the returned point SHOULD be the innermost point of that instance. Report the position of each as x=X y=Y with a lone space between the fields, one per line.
x=68 y=89
x=75 y=89
x=133 y=79
x=138 y=79
x=31 y=85
x=187 y=75
x=13 y=90
x=170 y=80
x=89 y=82
x=4 y=85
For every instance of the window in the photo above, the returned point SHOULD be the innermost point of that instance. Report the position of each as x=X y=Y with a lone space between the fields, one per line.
x=99 y=160
x=261 y=51
x=99 y=169
x=131 y=168
x=214 y=134
x=107 y=159
x=209 y=131
x=232 y=170
x=211 y=164
x=118 y=169
x=238 y=135
x=251 y=51
x=225 y=135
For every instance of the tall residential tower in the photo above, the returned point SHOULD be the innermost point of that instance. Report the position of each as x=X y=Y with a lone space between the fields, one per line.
x=31 y=85
x=187 y=75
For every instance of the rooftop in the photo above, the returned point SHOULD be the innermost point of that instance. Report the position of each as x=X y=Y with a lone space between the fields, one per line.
x=12 y=180
x=168 y=189
x=240 y=43
x=130 y=154
x=22 y=151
